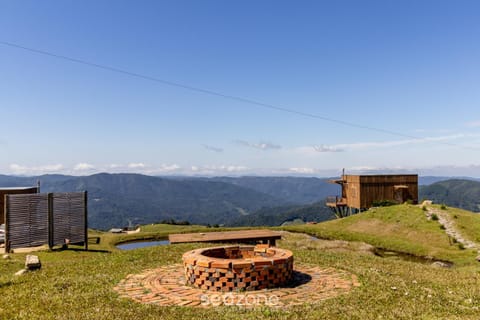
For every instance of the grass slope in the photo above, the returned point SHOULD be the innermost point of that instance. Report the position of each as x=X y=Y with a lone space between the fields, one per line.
x=401 y=228
x=466 y=222
x=79 y=285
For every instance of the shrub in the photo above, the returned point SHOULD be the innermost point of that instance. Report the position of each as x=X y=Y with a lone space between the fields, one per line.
x=424 y=208
x=442 y=227
x=461 y=246
x=455 y=216
x=443 y=207
x=383 y=203
x=434 y=217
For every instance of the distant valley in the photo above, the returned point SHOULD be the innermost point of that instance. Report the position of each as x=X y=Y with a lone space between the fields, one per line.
x=117 y=200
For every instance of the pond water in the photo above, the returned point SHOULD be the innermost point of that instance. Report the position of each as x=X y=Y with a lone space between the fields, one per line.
x=142 y=244
x=402 y=256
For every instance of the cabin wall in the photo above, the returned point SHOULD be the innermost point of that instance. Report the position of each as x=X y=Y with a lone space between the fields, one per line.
x=4 y=192
x=352 y=191
x=363 y=191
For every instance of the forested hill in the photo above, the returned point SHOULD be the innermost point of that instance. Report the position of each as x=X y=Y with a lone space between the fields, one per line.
x=117 y=199
x=296 y=189
x=277 y=216
x=458 y=193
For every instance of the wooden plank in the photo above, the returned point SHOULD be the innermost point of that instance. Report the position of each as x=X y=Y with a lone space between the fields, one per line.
x=225 y=236
x=85 y=218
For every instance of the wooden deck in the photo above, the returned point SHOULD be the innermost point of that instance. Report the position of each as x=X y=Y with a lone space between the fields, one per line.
x=264 y=236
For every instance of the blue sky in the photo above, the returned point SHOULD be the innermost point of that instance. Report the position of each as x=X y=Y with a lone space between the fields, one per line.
x=409 y=67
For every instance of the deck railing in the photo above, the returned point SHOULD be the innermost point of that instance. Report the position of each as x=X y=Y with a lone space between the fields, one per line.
x=333 y=201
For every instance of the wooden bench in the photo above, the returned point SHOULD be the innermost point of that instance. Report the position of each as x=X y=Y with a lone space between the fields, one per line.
x=242 y=236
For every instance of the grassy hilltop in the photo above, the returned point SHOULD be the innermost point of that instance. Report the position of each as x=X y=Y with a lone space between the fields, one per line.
x=79 y=285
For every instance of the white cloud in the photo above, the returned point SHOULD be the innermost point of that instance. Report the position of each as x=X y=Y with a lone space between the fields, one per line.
x=83 y=167
x=325 y=148
x=169 y=167
x=137 y=165
x=35 y=170
x=260 y=145
x=212 y=148
x=217 y=170
x=303 y=170
x=381 y=144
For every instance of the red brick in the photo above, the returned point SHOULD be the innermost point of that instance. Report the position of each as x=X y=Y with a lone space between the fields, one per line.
x=203 y=263
x=241 y=264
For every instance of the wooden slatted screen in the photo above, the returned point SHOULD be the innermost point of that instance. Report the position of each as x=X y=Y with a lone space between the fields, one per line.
x=38 y=219
x=26 y=220
x=68 y=217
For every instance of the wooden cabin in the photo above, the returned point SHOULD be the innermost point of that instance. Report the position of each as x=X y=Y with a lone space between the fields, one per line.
x=17 y=190
x=361 y=192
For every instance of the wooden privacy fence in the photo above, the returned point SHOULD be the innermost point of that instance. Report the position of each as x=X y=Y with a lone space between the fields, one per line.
x=49 y=218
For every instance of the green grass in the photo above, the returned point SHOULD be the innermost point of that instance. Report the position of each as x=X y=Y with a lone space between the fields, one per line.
x=79 y=285
x=401 y=228
x=466 y=222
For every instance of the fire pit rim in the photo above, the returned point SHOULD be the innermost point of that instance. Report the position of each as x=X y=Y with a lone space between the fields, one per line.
x=277 y=267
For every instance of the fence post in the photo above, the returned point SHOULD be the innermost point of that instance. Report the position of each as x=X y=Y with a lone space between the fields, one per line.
x=85 y=204
x=50 y=220
x=7 y=240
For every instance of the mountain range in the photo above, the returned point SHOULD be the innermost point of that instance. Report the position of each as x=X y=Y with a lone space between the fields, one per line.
x=116 y=200
x=120 y=199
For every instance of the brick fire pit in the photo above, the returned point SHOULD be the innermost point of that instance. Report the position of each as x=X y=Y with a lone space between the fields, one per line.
x=237 y=268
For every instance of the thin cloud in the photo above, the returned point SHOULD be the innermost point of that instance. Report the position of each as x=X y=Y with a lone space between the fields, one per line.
x=325 y=148
x=261 y=145
x=212 y=148
x=84 y=167
x=216 y=170
x=169 y=167
x=303 y=170
x=385 y=144
x=136 y=165
x=35 y=170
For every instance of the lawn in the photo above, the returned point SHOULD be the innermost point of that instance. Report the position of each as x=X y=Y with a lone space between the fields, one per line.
x=74 y=284
x=402 y=228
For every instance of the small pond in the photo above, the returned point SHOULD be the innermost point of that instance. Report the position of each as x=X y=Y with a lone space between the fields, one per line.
x=142 y=244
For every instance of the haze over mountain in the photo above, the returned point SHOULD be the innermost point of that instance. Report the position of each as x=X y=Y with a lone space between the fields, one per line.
x=118 y=199
x=115 y=200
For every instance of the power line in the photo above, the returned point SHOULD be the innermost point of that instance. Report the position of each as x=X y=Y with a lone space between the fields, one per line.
x=222 y=95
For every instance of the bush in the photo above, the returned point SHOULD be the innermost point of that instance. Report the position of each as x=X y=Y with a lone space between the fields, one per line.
x=442 y=227
x=461 y=246
x=443 y=207
x=455 y=216
x=384 y=203
x=434 y=217
x=424 y=208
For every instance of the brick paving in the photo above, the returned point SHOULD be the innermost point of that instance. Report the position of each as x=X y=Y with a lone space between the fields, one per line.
x=166 y=286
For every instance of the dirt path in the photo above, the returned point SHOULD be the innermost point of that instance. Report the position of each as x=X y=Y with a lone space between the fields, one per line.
x=450 y=228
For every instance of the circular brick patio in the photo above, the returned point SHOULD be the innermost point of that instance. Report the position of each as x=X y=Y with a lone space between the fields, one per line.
x=167 y=286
